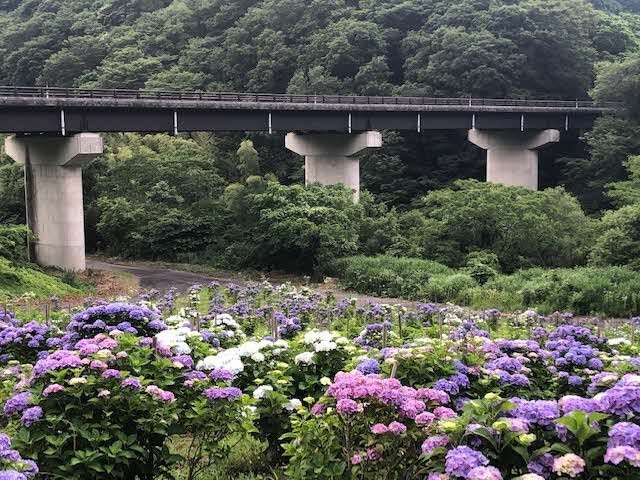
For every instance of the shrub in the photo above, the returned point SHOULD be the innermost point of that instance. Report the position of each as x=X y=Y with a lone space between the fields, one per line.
x=108 y=410
x=522 y=227
x=13 y=242
x=452 y=287
x=482 y=266
x=385 y=275
x=619 y=240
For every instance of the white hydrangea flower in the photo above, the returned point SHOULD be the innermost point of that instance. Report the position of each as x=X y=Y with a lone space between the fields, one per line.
x=292 y=404
x=316 y=336
x=181 y=348
x=325 y=346
x=305 y=358
x=281 y=344
x=618 y=341
x=261 y=391
x=227 y=359
x=257 y=357
x=248 y=348
x=325 y=381
x=226 y=319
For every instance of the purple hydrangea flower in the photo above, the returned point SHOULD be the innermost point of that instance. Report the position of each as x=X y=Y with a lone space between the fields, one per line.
x=461 y=460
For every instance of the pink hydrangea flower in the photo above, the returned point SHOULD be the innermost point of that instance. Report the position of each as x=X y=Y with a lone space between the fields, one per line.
x=397 y=428
x=379 y=429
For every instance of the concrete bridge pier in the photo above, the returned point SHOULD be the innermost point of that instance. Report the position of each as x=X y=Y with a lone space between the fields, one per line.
x=328 y=156
x=53 y=187
x=512 y=156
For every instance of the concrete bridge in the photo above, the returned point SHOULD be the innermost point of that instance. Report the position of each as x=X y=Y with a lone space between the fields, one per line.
x=56 y=132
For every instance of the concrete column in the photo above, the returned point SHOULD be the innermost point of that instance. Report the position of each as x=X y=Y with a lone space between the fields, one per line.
x=53 y=185
x=327 y=156
x=512 y=156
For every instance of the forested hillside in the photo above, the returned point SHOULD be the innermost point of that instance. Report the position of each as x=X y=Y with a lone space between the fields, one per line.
x=197 y=195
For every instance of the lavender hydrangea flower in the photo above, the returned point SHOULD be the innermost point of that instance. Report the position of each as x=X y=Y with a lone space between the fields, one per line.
x=131 y=383
x=17 y=403
x=368 y=365
x=484 y=473
x=31 y=415
x=460 y=460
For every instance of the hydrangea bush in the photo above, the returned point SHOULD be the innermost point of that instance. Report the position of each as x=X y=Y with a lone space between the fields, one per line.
x=329 y=389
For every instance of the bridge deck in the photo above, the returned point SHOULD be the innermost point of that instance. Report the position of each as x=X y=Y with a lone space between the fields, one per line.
x=71 y=110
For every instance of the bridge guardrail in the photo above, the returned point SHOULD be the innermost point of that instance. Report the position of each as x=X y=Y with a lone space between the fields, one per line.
x=104 y=93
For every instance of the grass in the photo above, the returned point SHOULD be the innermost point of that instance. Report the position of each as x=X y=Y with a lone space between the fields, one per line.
x=19 y=280
x=606 y=291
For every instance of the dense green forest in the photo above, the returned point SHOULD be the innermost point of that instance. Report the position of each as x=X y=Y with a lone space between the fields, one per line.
x=236 y=200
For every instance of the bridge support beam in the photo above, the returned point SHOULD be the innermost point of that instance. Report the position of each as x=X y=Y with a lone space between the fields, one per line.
x=53 y=188
x=328 y=156
x=512 y=156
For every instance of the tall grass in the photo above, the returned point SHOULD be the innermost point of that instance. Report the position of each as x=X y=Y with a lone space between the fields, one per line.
x=610 y=291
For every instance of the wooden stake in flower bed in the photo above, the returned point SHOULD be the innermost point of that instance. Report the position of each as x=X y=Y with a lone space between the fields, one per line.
x=394 y=369
x=384 y=334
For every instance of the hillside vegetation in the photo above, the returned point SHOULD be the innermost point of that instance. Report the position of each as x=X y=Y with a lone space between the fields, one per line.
x=235 y=201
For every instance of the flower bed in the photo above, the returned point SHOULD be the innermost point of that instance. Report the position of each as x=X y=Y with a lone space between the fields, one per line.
x=139 y=391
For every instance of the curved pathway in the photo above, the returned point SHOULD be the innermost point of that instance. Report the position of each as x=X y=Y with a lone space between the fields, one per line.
x=162 y=279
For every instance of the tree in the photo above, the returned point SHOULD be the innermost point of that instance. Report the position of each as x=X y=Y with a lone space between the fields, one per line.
x=248 y=162
x=522 y=227
x=454 y=62
x=12 y=206
x=620 y=82
x=627 y=192
x=618 y=241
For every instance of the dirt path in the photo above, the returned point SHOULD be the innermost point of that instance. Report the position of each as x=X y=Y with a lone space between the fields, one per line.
x=162 y=278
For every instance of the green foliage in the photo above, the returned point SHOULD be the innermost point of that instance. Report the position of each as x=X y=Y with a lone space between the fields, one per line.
x=482 y=266
x=619 y=240
x=155 y=196
x=627 y=192
x=620 y=82
x=15 y=281
x=248 y=159
x=583 y=290
x=388 y=276
x=124 y=432
x=296 y=228
x=613 y=139
x=13 y=242
x=12 y=208
x=610 y=291
x=521 y=227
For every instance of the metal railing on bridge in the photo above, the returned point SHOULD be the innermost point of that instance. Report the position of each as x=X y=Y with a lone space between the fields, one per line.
x=106 y=93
